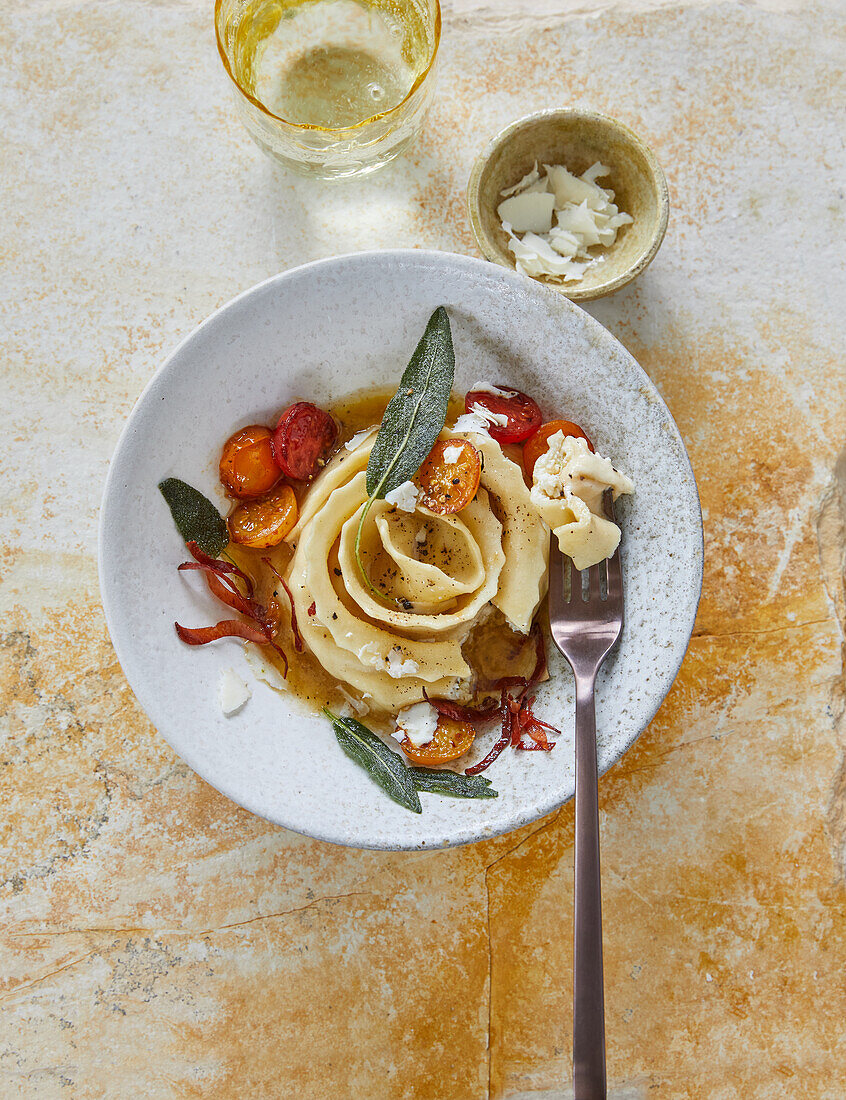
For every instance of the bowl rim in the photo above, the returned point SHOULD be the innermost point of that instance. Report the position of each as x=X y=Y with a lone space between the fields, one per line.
x=656 y=172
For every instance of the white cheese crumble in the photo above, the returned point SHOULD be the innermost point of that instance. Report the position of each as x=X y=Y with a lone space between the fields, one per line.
x=357 y=705
x=370 y=654
x=264 y=671
x=488 y=387
x=397 y=667
x=421 y=536
x=471 y=422
x=404 y=496
x=452 y=455
x=232 y=692
x=359 y=437
x=418 y=723
x=584 y=214
x=490 y=417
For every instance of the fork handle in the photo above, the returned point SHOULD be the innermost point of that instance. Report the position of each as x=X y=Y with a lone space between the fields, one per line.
x=588 y=996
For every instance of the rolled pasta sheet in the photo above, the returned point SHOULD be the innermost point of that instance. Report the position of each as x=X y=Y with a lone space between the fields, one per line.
x=569 y=482
x=584 y=536
x=525 y=539
x=439 y=576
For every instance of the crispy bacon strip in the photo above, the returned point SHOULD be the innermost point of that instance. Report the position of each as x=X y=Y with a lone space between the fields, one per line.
x=460 y=713
x=223 y=588
x=219 y=577
x=295 y=630
x=229 y=628
x=505 y=737
x=516 y=712
x=527 y=723
x=220 y=566
x=533 y=746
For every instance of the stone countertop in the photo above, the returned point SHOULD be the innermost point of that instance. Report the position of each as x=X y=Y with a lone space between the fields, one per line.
x=158 y=941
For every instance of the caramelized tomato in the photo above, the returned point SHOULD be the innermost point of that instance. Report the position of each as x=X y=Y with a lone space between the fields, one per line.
x=452 y=739
x=539 y=443
x=262 y=523
x=303 y=436
x=447 y=487
x=522 y=414
x=247 y=465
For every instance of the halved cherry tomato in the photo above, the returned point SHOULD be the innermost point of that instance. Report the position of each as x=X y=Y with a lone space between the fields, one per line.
x=452 y=739
x=539 y=443
x=447 y=487
x=523 y=415
x=263 y=523
x=247 y=465
x=303 y=436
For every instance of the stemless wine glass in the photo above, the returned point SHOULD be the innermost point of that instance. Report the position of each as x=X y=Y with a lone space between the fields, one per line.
x=330 y=88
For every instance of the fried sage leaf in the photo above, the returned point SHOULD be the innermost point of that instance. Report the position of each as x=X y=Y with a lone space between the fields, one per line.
x=383 y=766
x=195 y=516
x=433 y=781
x=413 y=420
x=417 y=412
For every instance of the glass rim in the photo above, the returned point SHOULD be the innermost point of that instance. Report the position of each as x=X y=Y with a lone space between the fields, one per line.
x=218 y=6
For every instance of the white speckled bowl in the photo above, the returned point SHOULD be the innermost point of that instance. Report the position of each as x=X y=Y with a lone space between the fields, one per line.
x=321 y=331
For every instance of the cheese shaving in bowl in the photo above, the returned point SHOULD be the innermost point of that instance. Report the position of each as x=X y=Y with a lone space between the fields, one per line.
x=553 y=220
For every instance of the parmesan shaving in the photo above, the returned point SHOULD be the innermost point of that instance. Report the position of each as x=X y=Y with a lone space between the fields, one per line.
x=554 y=220
x=233 y=693
x=501 y=419
x=470 y=422
x=404 y=496
x=358 y=438
x=528 y=212
x=397 y=667
x=417 y=723
x=524 y=184
x=487 y=387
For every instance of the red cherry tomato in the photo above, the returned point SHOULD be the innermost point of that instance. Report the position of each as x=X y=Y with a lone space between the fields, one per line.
x=523 y=415
x=539 y=443
x=303 y=436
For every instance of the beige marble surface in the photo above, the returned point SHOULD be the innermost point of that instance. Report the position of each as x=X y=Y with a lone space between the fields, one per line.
x=159 y=942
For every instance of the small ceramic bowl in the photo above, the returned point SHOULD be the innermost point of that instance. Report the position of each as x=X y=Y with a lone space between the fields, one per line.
x=575 y=139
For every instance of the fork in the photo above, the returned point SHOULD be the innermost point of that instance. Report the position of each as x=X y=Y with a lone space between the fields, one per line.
x=586 y=618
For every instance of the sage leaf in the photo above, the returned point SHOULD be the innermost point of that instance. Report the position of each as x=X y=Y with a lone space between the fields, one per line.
x=417 y=412
x=412 y=422
x=195 y=516
x=433 y=781
x=383 y=766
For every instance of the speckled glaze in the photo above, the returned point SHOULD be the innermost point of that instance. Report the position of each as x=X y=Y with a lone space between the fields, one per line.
x=320 y=331
x=576 y=139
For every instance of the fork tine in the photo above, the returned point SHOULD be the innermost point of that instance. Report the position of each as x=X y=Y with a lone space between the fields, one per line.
x=556 y=574
x=615 y=577
x=608 y=504
x=615 y=573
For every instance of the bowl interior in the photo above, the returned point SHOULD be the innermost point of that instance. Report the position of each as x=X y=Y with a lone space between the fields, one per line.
x=576 y=140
